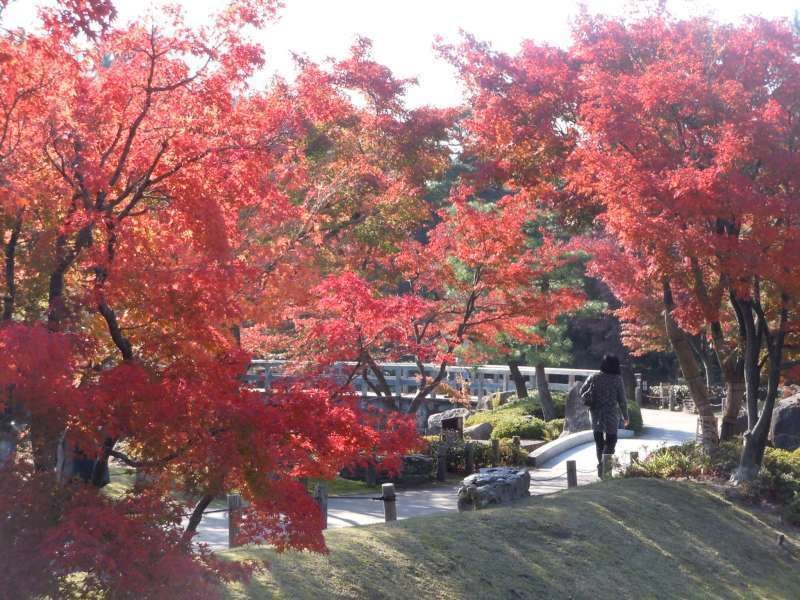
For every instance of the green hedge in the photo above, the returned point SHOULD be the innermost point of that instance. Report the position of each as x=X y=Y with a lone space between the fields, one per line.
x=778 y=480
x=527 y=428
x=522 y=418
x=527 y=406
x=457 y=455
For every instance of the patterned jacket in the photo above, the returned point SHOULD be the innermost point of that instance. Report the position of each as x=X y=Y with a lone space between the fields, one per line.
x=607 y=394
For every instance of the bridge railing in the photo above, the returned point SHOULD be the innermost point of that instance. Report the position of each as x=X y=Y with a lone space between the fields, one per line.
x=403 y=378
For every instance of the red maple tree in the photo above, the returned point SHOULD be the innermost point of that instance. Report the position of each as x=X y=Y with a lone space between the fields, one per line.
x=149 y=207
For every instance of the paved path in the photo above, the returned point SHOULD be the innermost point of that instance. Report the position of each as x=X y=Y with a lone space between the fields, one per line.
x=662 y=428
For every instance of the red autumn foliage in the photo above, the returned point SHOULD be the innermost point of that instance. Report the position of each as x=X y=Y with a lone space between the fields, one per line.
x=474 y=278
x=151 y=203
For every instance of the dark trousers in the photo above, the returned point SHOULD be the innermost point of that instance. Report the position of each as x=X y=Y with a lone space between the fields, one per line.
x=605 y=443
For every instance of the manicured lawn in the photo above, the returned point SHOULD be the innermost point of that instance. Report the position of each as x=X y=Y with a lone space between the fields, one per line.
x=634 y=538
x=341 y=485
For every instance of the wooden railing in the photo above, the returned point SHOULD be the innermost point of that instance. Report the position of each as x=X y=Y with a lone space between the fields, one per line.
x=403 y=378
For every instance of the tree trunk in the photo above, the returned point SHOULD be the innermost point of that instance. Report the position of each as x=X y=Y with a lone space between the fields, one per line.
x=629 y=382
x=750 y=459
x=517 y=378
x=757 y=330
x=691 y=371
x=380 y=386
x=426 y=388
x=44 y=438
x=197 y=516
x=706 y=369
x=734 y=397
x=545 y=399
x=10 y=266
x=8 y=444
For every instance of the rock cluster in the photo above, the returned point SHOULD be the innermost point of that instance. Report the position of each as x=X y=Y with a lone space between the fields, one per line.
x=492 y=486
x=481 y=431
x=435 y=421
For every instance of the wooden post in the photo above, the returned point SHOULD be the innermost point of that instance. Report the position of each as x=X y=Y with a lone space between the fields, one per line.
x=389 y=502
x=672 y=400
x=234 y=507
x=469 y=458
x=572 y=474
x=608 y=465
x=495 y=452
x=321 y=498
x=441 y=462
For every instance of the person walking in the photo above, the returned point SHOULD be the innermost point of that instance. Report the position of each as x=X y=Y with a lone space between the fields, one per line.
x=604 y=394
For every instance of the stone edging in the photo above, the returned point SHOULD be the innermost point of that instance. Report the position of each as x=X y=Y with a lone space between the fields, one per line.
x=550 y=449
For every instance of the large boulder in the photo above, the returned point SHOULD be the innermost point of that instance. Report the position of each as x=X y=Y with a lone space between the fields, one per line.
x=576 y=414
x=785 y=426
x=493 y=486
x=481 y=431
x=435 y=421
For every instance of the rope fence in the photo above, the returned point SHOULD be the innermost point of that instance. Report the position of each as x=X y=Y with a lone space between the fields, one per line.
x=549 y=478
x=389 y=496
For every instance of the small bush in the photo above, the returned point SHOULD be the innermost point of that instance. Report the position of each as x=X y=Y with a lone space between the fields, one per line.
x=779 y=478
x=457 y=455
x=553 y=429
x=725 y=457
x=792 y=511
x=529 y=428
x=686 y=460
x=635 y=416
x=514 y=410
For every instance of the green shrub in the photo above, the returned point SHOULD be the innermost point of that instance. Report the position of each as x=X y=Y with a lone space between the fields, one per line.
x=635 y=416
x=779 y=478
x=529 y=428
x=792 y=511
x=686 y=460
x=725 y=457
x=514 y=410
x=553 y=429
x=482 y=455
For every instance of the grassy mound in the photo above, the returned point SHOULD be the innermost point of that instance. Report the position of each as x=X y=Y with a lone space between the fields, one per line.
x=635 y=538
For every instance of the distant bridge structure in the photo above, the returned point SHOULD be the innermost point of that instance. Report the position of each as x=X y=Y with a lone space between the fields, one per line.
x=403 y=378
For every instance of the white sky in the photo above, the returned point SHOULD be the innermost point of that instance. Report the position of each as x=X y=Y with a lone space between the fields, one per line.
x=403 y=30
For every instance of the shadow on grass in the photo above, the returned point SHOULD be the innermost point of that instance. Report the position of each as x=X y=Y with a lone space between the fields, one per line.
x=629 y=538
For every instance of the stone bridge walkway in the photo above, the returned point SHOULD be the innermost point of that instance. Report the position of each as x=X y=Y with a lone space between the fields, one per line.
x=662 y=428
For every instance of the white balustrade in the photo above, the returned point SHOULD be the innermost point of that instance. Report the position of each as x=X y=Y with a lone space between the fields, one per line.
x=403 y=378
